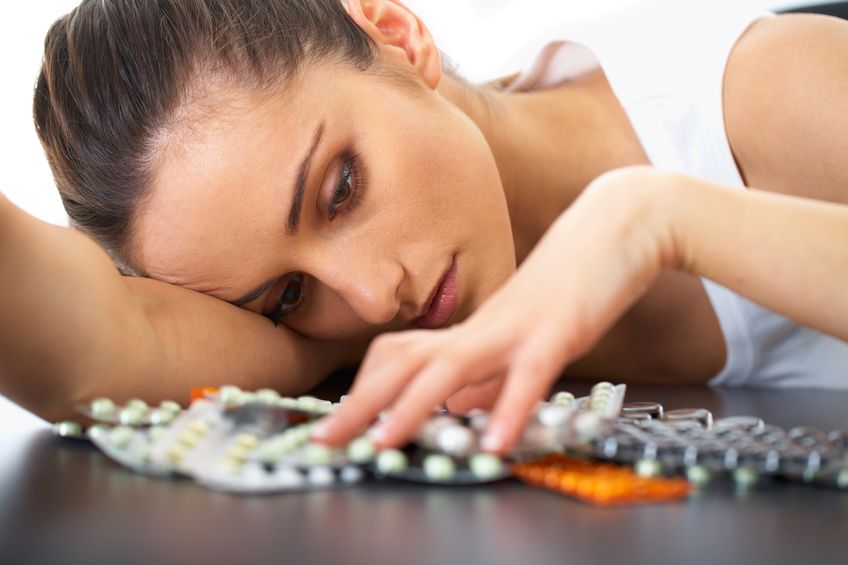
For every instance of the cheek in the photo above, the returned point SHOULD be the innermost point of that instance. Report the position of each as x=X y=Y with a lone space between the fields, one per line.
x=329 y=317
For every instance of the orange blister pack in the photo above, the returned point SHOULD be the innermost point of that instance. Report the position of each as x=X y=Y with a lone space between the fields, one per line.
x=599 y=483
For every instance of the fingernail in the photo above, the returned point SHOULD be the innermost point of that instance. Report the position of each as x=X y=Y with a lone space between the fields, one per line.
x=492 y=442
x=379 y=433
x=321 y=429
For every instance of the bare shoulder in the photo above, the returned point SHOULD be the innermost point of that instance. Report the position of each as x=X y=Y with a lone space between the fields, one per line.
x=785 y=105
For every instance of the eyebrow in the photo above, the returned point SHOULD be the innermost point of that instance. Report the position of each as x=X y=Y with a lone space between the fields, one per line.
x=293 y=222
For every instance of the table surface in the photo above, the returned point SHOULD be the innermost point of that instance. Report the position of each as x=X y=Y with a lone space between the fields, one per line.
x=62 y=501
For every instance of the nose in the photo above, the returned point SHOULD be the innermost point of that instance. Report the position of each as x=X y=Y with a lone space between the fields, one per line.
x=368 y=280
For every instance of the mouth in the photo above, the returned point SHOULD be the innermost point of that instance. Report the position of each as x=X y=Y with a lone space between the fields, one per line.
x=443 y=301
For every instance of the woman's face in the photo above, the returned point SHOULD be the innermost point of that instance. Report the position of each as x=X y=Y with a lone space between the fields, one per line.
x=395 y=182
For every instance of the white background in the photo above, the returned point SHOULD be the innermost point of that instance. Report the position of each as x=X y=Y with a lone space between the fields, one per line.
x=480 y=35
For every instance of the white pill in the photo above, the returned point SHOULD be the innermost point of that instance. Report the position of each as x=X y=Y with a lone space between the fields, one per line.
x=553 y=415
x=170 y=406
x=161 y=417
x=288 y=477
x=321 y=476
x=67 y=429
x=267 y=396
x=648 y=468
x=317 y=454
x=137 y=403
x=351 y=474
x=131 y=416
x=455 y=440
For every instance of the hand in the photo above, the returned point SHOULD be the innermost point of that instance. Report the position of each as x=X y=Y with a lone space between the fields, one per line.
x=595 y=261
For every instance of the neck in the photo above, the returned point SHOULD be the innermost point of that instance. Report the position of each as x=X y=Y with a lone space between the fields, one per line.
x=548 y=145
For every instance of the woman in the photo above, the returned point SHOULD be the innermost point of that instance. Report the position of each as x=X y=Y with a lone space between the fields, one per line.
x=337 y=181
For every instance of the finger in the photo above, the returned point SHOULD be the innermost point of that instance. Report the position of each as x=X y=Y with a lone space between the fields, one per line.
x=528 y=379
x=371 y=393
x=478 y=395
x=436 y=381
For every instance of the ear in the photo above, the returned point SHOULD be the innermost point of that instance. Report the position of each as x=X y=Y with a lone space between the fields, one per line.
x=401 y=33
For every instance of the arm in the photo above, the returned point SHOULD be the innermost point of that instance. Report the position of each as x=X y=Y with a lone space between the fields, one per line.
x=71 y=328
x=786 y=253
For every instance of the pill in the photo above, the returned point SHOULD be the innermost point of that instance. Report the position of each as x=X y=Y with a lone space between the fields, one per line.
x=246 y=440
x=455 y=440
x=351 y=474
x=170 y=406
x=320 y=476
x=553 y=415
x=131 y=416
x=648 y=468
x=229 y=394
x=102 y=408
x=485 y=466
x=121 y=436
x=361 y=450
x=317 y=454
x=391 y=461
x=137 y=403
x=67 y=429
x=698 y=475
x=439 y=467
x=563 y=398
x=161 y=417
x=745 y=477
x=267 y=396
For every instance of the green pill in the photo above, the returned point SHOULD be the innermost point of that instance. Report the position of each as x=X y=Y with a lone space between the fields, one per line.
x=361 y=450
x=391 y=461
x=131 y=416
x=102 y=408
x=439 y=467
x=648 y=468
x=485 y=466
x=121 y=436
x=137 y=403
x=229 y=394
x=170 y=406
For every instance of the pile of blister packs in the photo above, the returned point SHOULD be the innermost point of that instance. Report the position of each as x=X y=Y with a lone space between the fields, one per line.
x=596 y=447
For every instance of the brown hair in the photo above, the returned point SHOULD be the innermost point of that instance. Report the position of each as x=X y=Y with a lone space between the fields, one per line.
x=116 y=73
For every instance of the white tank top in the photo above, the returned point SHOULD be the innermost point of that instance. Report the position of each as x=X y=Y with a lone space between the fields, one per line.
x=665 y=61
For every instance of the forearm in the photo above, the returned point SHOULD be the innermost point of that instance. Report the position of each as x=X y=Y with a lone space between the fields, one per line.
x=71 y=328
x=785 y=253
x=67 y=318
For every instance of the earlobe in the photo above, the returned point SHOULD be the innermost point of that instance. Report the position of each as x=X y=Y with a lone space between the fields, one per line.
x=394 y=27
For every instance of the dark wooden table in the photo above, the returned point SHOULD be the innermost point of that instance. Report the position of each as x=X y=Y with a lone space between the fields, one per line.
x=63 y=502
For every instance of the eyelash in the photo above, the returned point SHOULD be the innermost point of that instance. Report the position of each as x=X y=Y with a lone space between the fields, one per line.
x=351 y=172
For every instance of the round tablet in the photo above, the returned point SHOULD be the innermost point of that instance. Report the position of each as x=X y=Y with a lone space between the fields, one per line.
x=698 y=475
x=391 y=461
x=745 y=477
x=121 y=436
x=563 y=398
x=648 y=468
x=137 y=403
x=170 y=406
x=317 y=454
x=351 y=474
x=229 y=394
x=161 y=417
x=97 y=431
x=67 y=429
x=320 y=476
x=439 y=467
x=455 y=440
x=131 y=416
x=485 y=466
x=361 y=450
x=102 y=408
x=267 y=396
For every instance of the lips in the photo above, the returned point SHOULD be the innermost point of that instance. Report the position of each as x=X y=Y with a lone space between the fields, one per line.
x=443 y=301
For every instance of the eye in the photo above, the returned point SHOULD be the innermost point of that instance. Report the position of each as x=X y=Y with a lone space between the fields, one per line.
x=290 y=299
x=348 y=192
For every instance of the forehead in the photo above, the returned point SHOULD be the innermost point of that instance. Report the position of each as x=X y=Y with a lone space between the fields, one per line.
x=228 y=166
